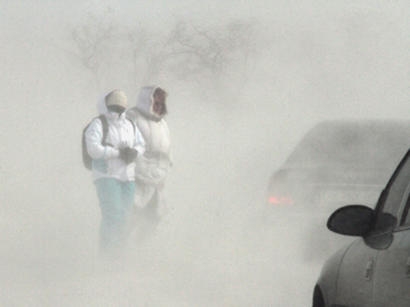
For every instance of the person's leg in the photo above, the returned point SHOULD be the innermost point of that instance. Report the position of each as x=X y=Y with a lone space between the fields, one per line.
x=112 y=217
x=151 y=210
x=127 y=194
x=149 y=216
x=144 y=211
x=128 y=197
x=143 y=194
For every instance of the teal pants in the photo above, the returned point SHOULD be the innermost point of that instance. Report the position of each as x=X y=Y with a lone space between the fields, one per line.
x=116 y=202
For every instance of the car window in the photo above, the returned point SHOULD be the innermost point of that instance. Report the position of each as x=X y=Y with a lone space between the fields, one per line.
x=397 y=190
x=405 y=216
x=405 y=220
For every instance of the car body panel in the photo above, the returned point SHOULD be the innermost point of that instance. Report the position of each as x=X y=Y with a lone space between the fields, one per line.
x=375 y=269
x=392 y=274
x=355 y=279
x=327 y=281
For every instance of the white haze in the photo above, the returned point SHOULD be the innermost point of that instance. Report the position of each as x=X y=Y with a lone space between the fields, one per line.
x=314 y=60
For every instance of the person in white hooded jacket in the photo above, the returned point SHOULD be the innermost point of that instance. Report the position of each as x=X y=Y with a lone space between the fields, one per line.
x=113 y=167
x=153 y=166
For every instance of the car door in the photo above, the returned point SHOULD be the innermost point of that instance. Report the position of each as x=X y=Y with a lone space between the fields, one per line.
x=355 y=279
x=392 y=272
x=357 y=274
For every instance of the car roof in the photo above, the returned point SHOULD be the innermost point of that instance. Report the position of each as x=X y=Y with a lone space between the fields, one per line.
x=354 y=143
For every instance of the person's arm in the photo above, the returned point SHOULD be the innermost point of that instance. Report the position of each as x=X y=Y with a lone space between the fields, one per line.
x=93 y=139
x=139 y=141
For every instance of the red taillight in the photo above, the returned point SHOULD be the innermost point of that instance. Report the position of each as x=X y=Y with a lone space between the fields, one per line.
x=280 y=200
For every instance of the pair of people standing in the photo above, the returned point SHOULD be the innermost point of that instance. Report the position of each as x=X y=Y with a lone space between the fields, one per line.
x=130 y=163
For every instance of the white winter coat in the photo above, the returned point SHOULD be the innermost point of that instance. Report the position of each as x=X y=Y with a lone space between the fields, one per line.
x=121 y=133
x=153 y=167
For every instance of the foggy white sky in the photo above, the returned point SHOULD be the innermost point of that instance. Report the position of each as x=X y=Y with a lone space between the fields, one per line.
x=315 y=60
x=346 y=56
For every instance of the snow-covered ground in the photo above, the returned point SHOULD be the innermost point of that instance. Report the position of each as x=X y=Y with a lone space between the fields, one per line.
x=228 y=266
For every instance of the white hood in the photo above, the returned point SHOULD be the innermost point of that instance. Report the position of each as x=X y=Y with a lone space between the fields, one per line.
x=145 y=103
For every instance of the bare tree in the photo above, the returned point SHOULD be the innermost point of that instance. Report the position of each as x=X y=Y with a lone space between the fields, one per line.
x=194 y=50
x=90 y=40
x=188 y=52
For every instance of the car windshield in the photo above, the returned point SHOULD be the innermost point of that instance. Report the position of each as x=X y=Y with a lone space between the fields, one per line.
x=369 y=144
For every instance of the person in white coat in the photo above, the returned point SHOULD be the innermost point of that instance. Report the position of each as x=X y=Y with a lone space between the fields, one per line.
x=113 y=168
x=153 y=166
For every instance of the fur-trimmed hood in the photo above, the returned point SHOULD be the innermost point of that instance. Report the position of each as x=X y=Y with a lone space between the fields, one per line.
x=145 y=103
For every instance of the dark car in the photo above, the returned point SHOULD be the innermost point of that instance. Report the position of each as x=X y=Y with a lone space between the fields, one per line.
x=374 y=270
x=335 y=163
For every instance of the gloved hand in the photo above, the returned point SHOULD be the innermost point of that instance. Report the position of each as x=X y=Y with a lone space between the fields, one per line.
x=128 y=154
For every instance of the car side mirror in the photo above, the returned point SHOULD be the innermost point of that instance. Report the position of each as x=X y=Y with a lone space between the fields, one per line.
x=351 y=220
x=381 y=235
x=385 y=222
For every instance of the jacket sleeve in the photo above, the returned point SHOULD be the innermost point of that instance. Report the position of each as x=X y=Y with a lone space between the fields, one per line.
x=168 y=135
x=139 y=141
x=93 y=139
